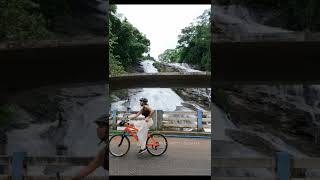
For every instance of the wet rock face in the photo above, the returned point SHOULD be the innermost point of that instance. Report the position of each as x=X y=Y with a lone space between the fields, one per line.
x=164 y=68
x=230 y=22
x=201 y=96
x=253 y=141
x=35 y=106
x=48 y=104
x=311 y=95
x=278 y=108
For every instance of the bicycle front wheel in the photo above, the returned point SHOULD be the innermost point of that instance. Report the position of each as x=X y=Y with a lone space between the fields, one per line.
x=157 y=144
x=119 y=145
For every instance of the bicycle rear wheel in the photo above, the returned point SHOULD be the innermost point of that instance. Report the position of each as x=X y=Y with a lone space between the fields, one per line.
x=160 y=148
x=119 y=145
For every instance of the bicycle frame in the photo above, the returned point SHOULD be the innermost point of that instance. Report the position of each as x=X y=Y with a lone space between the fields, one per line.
x=131 y=129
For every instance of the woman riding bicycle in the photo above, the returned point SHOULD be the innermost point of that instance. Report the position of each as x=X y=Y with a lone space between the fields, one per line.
x=143 y=126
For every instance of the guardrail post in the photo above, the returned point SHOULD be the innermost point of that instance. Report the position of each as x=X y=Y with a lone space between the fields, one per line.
x=114 y=119
x=18 y=165
x=155 y=123
x=199 y=120
x=283 y=166
x=159 y=119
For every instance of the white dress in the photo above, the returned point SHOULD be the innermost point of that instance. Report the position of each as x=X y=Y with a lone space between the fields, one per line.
x=143 y=128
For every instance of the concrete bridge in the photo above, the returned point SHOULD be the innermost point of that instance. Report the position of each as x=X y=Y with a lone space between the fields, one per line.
x=163 y=80
x=285 y=62
x=83 y=62
x=48 y=63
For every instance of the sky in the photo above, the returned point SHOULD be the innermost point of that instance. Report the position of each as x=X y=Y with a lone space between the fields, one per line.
x=161 y=23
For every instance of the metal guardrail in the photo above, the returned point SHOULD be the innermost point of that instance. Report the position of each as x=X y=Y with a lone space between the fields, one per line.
x=283 y=167
x=168 y=119
x=15 y=167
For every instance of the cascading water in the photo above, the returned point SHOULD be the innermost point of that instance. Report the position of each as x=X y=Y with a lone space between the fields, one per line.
x=159 y=98
x=78 y=134
x=183 y=66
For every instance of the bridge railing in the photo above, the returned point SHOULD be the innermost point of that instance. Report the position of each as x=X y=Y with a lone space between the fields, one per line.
x=283 y=167
x=16 y=166
x=171 y=120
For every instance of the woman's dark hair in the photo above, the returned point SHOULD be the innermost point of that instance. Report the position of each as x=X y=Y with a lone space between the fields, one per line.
x=144 y=100
x=144 y=103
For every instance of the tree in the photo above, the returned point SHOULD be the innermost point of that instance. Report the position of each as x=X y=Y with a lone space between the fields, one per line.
x=193 y=44
x=19 y=20
x=170 y=55
x=127 y=44
x=115 y=67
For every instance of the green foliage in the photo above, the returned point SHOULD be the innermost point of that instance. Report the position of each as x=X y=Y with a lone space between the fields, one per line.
x=170 y=55
x=115 y=66
x=44 y=19
x=148 y=57
x=131 y=44
x=193 y=44
x=157 y=65
x=53 y=9
x=6 y=112
x=19 y=20
x=126 y=43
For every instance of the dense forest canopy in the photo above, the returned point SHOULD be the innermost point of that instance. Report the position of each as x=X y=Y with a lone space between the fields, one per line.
x=295 y=15
x=127 y=45
x=50 y=19
x=193 y=44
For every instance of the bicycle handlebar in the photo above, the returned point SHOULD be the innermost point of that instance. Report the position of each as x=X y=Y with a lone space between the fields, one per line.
x=123 y=122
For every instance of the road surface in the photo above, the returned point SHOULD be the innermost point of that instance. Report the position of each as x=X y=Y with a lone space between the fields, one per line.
x=185 y=156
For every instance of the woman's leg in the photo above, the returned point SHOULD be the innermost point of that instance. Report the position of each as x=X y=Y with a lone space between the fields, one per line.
x=142 y=135
x=150 y=123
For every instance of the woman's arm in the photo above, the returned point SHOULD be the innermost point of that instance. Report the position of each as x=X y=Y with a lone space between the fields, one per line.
x=92 y=166
x=132 y=116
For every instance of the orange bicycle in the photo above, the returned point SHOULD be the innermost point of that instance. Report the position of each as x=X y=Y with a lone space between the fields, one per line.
x=119 y=144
